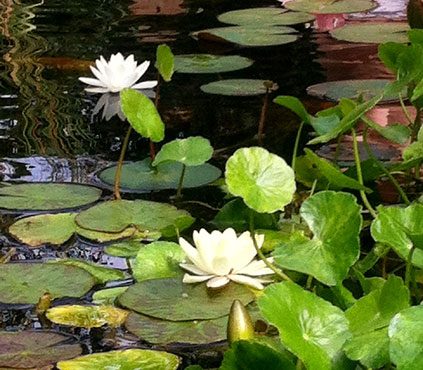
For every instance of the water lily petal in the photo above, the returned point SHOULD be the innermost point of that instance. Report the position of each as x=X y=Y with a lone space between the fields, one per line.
x=100 y=76
x=145 y=85
x=192 y=254
x=256 y=268
x=97 y=90
x=190 y=279
x=218 y=282
x=142 y=68
x=243 y=252
x=221 y=265
x=91 y=81
x=194 y=269
x=203 y=241
x=246 y=280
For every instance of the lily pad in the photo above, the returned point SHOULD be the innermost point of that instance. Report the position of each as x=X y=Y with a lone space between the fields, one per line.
x=56 y=229
x=265 y=17
x=130 y=359
x=330 y=6
x=34 y=349
x=27 y=282
x=251 y=36
x=141 y=176
x=46 y=196
x=188 y=301
x=374 y=33
x=310 y=327
x=335 y=220
x=87 y=316
x=263 y=180
x=235 y=87
x=208 y=63
x=128 y=248
x=158 y=260
x=108 y=296
x=117 y=215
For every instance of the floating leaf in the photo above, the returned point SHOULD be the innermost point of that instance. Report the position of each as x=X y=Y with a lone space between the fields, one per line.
x=117 y=215
x=309 y=326
x=251 y=36
x=207 y=63
x=374 y=33
x=27 y=282
x=130 y=359
x=335 y=220
x=142 y=114
x=263 y=180
x=193 y=151
x=101 y=273
x=34 y=349
x=235 y=87
x=129 y=248
x=264 y=17
x=158 y=260
x=406 y=337
x=46 y=196
x=87 y=316
x=165 y=62
x=330 y=6
x=188 y=301
x=141 y=176
x=369 y=319
x=108 y=296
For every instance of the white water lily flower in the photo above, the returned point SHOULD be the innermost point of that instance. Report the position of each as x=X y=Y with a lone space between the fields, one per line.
x=221 y=257
x=117 y=74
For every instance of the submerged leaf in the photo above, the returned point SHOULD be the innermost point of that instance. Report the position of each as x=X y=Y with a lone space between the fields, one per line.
x=330 y=6
x=207 y=63
x=235 y=87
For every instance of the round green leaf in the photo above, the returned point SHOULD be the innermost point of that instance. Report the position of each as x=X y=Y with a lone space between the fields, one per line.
x=263 y=180
x=158 y=260
x=46 y=196
x=130 y=359
x=251 y=36
x=128 y=248
x=235 y=87
x=165 y=62
x=264 y=17
x=141 y=176
x=374 y=33
x=171 y=299
x=87 y=316
x=142 y=114
x=27 y=282
x=406 y=337
x=34 y=349
x=117 y=215
x=330 y=6
x=193 y=151
x=208 y=63
x=335 y=220
x=108 y=296
x=309 y=326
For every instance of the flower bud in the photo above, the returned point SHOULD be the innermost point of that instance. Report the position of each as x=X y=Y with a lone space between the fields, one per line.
x=240 y=326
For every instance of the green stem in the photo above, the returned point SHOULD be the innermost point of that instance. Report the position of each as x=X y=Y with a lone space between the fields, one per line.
x=277 y=271
x=263 y=118
x=404 y=109
x=116 y=191
x=297 y=142
x=313 y=187
x=377 y=252
x=360 y=176
x=416 y=125
x=181 y=181
x=338 y=147
x=409 y=267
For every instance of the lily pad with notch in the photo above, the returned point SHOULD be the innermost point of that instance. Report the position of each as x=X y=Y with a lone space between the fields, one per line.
x=34 y=349
x=46 y=196
x=330 y=6
x=236 y=87
x=208 y=63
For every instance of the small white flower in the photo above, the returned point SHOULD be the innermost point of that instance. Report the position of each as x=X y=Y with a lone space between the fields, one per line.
x=117 y=74
x=221 y=257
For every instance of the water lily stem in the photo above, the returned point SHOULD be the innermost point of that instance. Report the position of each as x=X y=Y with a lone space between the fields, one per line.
x=277 y=271
x=116 y=192
x=297 y=142
x=416 y=125
x=263 y=118
x=360 y=176
x=404 y=109
x=409 y=267
x=181 y=181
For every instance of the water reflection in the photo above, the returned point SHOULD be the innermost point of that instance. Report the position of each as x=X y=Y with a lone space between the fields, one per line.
x=157 y=7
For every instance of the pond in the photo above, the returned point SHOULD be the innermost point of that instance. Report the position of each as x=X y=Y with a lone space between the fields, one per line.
x=53 y=132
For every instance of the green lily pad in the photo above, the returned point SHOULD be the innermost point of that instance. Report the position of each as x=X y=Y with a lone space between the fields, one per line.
x=208 y=63
x=264 y=17
x=130 y=359
x=141 y=176
x=263 y=180
x=369 y=319
x=108 y=296
x=101 y=273
x=117 y=215
x=27 y=282
x=330 y=6
x=251 y=36
x=56 y=229
x=158 y=260
x=34 y=349
x=310 y=327
x=188 y=301
x=406 y=337
x=374 y=33
x=165 y=62
x=235 y=87
x=46 y=196
x=87 y=316
x=335 y=220
x=128 y=248
x=193 y=151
